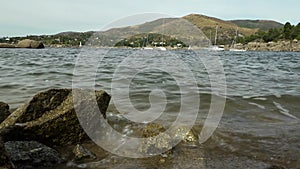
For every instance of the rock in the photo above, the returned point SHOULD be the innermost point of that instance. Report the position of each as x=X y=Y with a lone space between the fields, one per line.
x=5 y=162
x=7 y=45
x=31 y=154
x=4 y=111
x=50 y=117
x=82 y=153
x=167 y=138
x=185 y=134
x=27 y=43
x=157 y=141
x=275 y=167
x=152 y=130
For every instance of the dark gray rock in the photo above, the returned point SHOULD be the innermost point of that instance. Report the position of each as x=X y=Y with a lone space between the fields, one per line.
x=4 y=111
x=31 y=154
x=50 y=117
x=5 y=162
x=81 y=153
x=27 y=43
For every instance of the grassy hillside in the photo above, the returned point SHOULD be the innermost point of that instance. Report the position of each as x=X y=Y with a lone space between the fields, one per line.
x=263 y=25
x=226 y=30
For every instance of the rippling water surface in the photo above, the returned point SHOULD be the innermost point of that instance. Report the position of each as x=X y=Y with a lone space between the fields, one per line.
x=261 y=116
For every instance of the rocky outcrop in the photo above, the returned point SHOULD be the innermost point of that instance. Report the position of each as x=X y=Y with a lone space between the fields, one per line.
x=50 y=117
x=7 y=45
x=4 y=111
x=27 y=43
x=31 y=154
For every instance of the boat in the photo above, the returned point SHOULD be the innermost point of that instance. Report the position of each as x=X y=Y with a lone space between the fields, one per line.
x=215 y=47
x=80 y=45
x=232 y=48
x=161 y=48
x=146 y=46
x=237 y=50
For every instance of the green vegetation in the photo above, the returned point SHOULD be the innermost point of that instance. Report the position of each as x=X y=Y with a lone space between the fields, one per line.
x=288 y=32
x=66 y=39
x=151 y=39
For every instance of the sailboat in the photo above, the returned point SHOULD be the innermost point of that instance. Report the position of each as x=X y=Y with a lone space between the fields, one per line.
x=215 y=47
x=233 y=43
x=162 y=40
x=147 y=47
x=80 y=45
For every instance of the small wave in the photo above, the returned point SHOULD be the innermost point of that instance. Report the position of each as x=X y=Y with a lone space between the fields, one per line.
x=258 y=105
x=284 y=111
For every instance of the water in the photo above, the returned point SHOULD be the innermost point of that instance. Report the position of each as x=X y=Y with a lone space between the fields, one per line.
x=261 y=116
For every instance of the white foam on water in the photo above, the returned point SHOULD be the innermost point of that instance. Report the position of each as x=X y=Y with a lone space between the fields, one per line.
x=260 y=98
x=258 y=105
x=284 y=111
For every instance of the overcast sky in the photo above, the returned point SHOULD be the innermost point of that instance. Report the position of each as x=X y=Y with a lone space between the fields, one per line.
x=26 y=17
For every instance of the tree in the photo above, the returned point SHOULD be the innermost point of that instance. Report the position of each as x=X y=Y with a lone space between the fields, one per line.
x=296 y=32
x=287 y=31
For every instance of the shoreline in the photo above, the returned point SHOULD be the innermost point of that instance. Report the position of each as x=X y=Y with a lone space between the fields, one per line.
x=282 y=46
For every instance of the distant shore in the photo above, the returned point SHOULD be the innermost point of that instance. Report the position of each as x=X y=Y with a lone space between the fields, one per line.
x=280 y=46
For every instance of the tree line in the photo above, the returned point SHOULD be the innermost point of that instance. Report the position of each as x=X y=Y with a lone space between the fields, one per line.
x=288 y=32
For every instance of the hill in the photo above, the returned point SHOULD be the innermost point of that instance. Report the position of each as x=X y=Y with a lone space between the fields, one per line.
x=226 y=29
x=263 y=25
x=193 y=29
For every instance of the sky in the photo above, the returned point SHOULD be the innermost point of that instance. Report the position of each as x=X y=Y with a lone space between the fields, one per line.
x=36 y=17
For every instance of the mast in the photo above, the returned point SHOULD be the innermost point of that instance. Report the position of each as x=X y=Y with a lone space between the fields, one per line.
x=235 y=37
x=216 y=35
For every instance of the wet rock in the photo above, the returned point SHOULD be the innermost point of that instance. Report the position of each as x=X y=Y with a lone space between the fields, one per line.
x=157 y=141
x=186 y=134
x=27 y=43
x=275 y=167
x=31 y=154
x=152 y=130
x=166 y=139
x=50 y=116
x=82 y=153
x=4 y=111
x=5 y=162
x=7 y=45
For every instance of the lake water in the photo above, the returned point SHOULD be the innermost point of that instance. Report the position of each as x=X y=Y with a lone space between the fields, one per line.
x=261 y=116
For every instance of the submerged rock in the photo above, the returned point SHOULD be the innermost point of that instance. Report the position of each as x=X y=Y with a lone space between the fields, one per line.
x=166 y=139
x=27 y=43
x=50 y=117
x=82 y=153
x=4 y=111
x=186 y=134
x=31 y=154
x=5 y=162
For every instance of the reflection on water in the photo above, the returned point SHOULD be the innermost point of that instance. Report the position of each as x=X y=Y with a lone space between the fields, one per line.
x=261 y=117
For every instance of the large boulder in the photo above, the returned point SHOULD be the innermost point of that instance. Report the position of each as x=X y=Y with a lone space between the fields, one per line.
x=31 y=154
x=27 y=43
x=4 y=111
x=50 y=116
